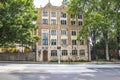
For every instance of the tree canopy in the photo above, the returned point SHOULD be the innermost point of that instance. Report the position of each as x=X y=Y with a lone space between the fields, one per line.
x=16 y=21
x=101 y=19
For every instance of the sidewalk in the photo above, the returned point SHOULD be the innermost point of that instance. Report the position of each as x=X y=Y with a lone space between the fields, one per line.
x=33 y=62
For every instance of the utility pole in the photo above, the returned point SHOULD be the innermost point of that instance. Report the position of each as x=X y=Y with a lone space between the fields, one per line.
x=59 y=41
x=37 y=48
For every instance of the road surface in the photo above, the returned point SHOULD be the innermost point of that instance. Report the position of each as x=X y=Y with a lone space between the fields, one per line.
x=59 y=71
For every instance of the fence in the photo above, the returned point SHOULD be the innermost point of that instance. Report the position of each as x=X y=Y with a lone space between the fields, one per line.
x=17 y=56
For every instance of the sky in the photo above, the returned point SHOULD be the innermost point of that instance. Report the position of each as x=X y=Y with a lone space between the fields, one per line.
x=44 y=2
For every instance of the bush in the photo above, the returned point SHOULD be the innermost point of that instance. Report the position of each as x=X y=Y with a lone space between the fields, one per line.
x=53 y=60
x=64 y=60
x=4 y=50
x=27 y=50
x=81 y=60
x=12 y=50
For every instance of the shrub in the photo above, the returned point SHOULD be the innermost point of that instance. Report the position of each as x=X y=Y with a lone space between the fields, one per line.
x=4 y=50
x=80 y=60
x=12 y=50
x=27 y=50
x=53 y=60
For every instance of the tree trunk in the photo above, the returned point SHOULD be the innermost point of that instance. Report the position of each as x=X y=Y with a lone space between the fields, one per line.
x=89 y=50
x=106 y=45
x=106 y=50
x=105 y=34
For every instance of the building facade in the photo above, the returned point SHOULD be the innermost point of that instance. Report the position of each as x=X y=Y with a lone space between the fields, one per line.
x=59 y=30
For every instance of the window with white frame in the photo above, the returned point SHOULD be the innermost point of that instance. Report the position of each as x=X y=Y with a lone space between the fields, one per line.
x=74 y=33
x=63 y=15
x=63 y=32
x=53 y=21
x=80 y=23
x=53 y=52
x=53 y=41
x=64 y=41
x=81 y=42
x=74 y=42
x=72 y=22
x=63 y=22
x=53 y=14
x=53 y=32
x=45 y=13
x=45 y=38
x=45 y=21
x=82 y=52
x=74 y=52
x=72 y=16
x=79 y=16
x=64 y=53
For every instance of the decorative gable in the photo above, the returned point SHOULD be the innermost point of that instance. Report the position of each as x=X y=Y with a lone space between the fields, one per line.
x=49 y=5
x=63 y=7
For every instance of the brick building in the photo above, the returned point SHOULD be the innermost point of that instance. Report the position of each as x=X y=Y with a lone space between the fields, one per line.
x=58 y=29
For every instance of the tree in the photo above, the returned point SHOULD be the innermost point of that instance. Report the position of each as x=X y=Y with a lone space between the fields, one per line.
x=117 y=21
x=16 y=24
x=65 y=2
x=101 y=21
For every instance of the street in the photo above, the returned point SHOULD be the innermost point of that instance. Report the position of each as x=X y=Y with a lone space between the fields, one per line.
x=59 y=71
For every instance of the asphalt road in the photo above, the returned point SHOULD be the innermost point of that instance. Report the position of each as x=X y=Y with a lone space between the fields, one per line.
x=59 y=72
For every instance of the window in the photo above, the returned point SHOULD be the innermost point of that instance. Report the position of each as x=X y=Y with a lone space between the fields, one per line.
x=82 y=42
x=63 y=22
x=53 y=52
x=45 y=38
x=72 y=16
x=64 y=52
x=53 y=32
x=63 y=32
x=45 y=21
x=53 y=41
x=74 y=42
x=79 y=16
x=72 y=22
x=63 y=15
x=45 y=13
x=82 y=52
x=73 y=33
x=53 y=14
x=74 y=52
x=53 y=21
x=64 y=41
x=80 y=23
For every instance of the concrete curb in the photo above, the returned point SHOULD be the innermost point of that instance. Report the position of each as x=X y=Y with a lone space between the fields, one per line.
x=32 y=62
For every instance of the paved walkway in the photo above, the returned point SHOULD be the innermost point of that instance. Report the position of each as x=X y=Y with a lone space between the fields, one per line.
x=33 y=62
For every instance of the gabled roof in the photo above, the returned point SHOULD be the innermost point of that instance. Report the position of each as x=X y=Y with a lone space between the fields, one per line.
x=63 y=7
x=49 y=5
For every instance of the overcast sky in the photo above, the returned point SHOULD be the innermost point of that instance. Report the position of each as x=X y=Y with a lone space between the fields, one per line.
x=44 y=2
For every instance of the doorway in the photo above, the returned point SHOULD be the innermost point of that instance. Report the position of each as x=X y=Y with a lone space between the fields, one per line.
x=45 y=55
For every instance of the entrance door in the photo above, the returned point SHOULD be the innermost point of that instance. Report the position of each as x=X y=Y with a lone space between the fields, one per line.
x=45 y=55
